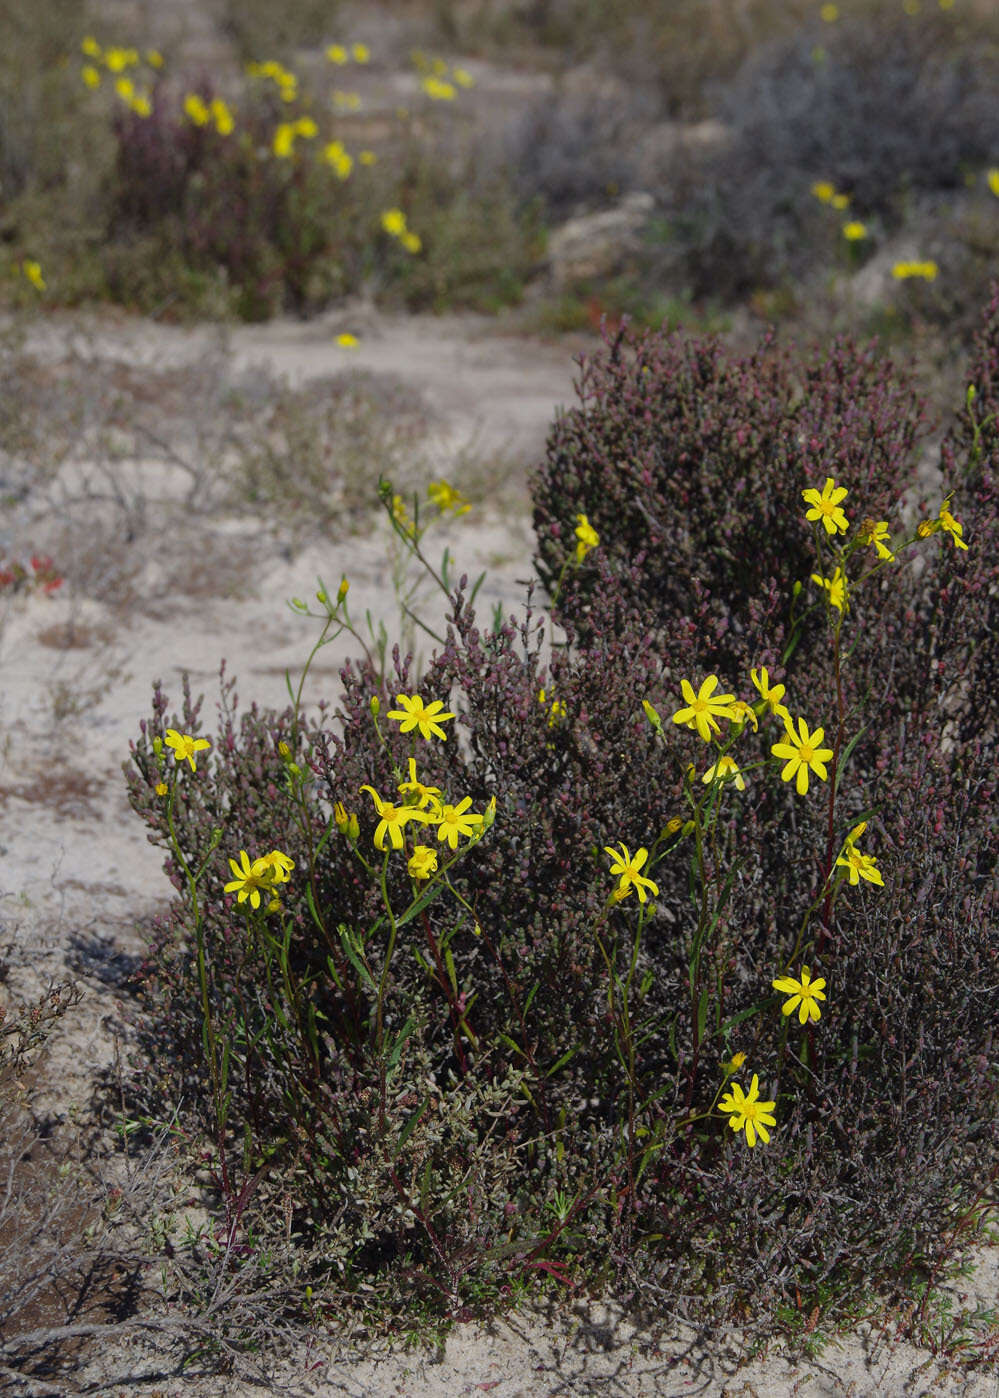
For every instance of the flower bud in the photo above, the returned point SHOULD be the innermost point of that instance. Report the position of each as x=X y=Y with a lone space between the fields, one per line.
x=343 y=589
x=674 y=825
x=652 y=715
x=340 y=817
x=284 y=749
x=353 y=827
x=376 y=706
x=158 y=748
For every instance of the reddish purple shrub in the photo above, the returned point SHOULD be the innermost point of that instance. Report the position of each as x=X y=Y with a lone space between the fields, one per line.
x=502 y=1136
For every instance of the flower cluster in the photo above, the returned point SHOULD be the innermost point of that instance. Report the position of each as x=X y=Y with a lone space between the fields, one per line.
x=258 y=879
x=394 y=224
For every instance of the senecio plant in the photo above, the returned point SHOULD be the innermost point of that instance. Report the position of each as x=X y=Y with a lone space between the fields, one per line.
x=644 y=939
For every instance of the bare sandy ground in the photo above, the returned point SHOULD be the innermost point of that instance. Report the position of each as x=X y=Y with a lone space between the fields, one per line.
x=77 y=875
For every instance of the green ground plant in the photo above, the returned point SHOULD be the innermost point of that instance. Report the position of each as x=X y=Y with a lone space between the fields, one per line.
x=645 y=939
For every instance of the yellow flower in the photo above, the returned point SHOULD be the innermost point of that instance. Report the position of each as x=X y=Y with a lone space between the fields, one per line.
x=556 y=708
x=184 y=746
x=704 y=708
x=903 y=271
x=854 y=231
x=125 y=88
x=222 y=117
x=141 y=106
x=414 y=713
x=992 y=180
x=90 y=47
x=117 y=60
x=427 y=798
x=829 y=13
x=950 y=525
x=858 y=866
x=770 y=694
x=394 y=222
x=367 y=157
x=804 y=995
x=154 y=58
x=840 y=202
x=746 y=1111
x=161 y=788
x=738 y=1059
x=802 y=753
x=280 y=865
x=835 y=588
x=586 y=537
x=195 y=109
x=336 y=53
x=411 y=241
x=360 y=53
x=445 y=497
x=827 y=506
x=726 y=769
x=823 y=191
x=33 y=273
x=438 y=90
x=392 y=819
x=453 y=821
x=463 y=77
x=401 y=517
x=347 y=341
x=250 y=880
x=422 y=862
x=875 y=532
x=306 y=127
x=628 y=872
x=337 y=158
x=90 y=75
x=744 y=713
x=283 y=144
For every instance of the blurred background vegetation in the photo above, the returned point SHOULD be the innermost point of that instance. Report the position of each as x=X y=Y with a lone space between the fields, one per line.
x=717 y=163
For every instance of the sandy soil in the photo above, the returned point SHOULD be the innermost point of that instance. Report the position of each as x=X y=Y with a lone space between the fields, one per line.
x=78 y=876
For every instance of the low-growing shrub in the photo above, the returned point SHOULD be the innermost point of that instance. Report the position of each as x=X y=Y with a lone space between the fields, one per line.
x=430 y=1014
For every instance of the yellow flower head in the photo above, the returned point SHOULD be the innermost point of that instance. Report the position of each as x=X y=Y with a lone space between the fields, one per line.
x=854 y=231
x=394 y=222
x=90 y=47
x=252 y=878
x=829 y=13
x=835 y=588
x=744 y=713
x=628 y=873
x=161 y=788
x=184 y=746
x=746 y=1112
x=413 y=713
x=426 y=798
x=367 y=157
x=141 y=106
x=804 y=994
x=195 y=109
x=453 y=821
x=360 y=53
x=438 y=90
x=422 y=862
x=726 y=769
x=586 y=537
x=556 y=707
x=283 y=144
x=154 y=58
x=125 y=88
x=840 y=202
x=770 y=694
x=337 y=158
x=392 y=819
x=903 y=271
x=306 y=127
x=826 y=506
x=802 y=752
x=704 y=708
x=823 y=191
x=90 y=75
x=445 y=497
x=221 y=115
x=346 y=340
x=992 y=180
x=859 y=866
x=875 y=533
x=33 y=273
x=951 y=526
x=336 y=53
x=463 y=77
x=411 y=241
